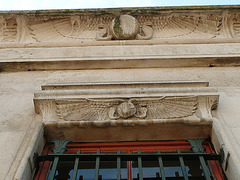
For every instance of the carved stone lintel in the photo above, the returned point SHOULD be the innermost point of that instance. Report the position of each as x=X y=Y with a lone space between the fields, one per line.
x=187 y=105
x=106 y=111
x=127 y=108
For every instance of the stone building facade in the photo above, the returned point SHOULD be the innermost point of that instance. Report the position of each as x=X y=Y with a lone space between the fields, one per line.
x=110 y=75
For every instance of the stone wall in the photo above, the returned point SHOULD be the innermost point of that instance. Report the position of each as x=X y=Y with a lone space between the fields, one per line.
x=39 y=48
x=20 y=125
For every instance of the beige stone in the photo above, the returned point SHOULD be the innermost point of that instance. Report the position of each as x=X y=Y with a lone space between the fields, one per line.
x=69 y=112
x=50 y=57
x=58 y=26
x=125 y=27
x=30 y=83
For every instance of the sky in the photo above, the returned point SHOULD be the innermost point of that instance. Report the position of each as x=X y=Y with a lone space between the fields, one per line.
x=82 y=4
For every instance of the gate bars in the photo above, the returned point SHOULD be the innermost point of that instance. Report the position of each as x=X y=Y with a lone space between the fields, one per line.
x=196 y=146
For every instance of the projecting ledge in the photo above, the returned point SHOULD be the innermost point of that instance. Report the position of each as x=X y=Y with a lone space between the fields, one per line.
x=112 y=57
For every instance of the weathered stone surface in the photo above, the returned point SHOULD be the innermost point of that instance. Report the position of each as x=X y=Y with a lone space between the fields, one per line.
x=30 y=82
x=69 y=112
x=128 y=132
x=125 y=84
x=59 y=26
x=120 y=57
x=125 y=27
x=102 y=104
x=191 y=44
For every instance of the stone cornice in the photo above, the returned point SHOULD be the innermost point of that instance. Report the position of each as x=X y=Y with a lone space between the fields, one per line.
x=132 y=10
x=111 y=57
x=125 y=84
x=86 y=39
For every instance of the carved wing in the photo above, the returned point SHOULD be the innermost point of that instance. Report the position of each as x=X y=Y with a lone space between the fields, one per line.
x=168 y=107
x=73 y=28
x=183 y=25
x=85 y=110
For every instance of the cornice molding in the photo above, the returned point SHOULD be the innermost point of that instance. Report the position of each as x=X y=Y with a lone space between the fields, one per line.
x=112 y=57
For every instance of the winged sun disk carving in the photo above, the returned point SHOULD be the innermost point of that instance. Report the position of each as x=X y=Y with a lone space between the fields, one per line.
x=110 y=109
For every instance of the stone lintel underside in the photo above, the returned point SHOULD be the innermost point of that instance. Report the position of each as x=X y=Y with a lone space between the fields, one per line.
x=126 y=112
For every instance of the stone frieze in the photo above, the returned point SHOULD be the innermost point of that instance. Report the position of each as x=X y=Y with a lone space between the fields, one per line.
x=126 y=106
x=195 y=24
